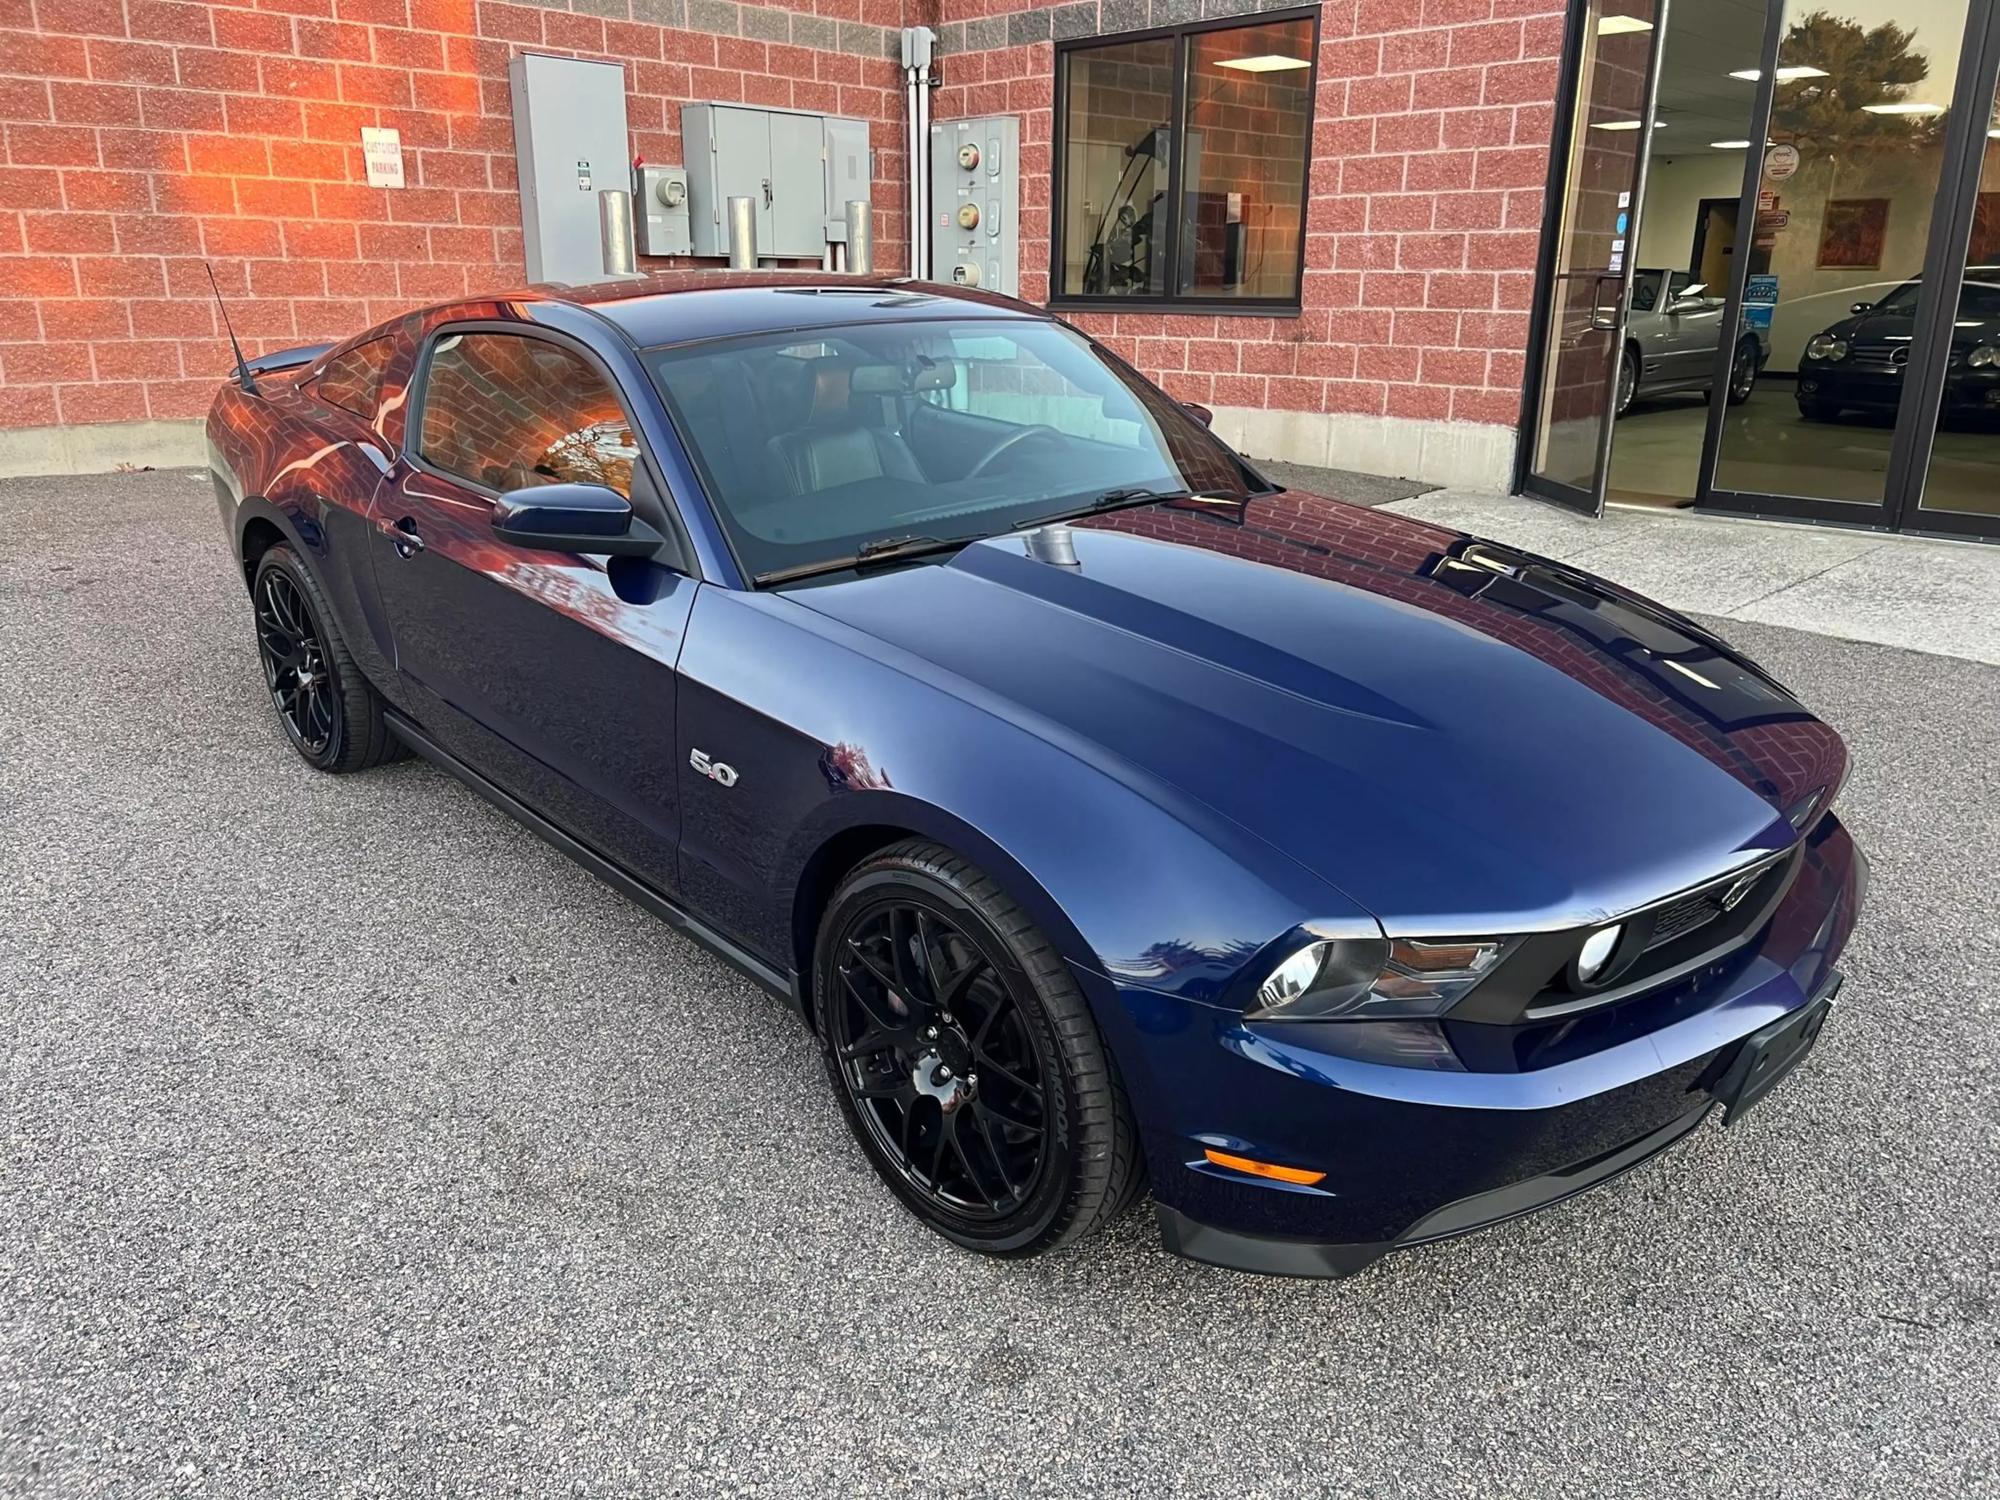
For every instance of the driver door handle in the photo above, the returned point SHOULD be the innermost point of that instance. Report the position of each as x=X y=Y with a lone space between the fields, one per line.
x=403 y=536
x=1605 y=319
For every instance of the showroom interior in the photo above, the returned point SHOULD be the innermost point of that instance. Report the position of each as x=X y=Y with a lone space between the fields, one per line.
x=1800 y=321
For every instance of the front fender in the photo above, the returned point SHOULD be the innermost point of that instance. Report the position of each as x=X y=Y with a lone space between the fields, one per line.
x=831 y=732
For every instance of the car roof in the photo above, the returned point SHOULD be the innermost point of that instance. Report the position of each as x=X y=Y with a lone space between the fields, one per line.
x=681 y=307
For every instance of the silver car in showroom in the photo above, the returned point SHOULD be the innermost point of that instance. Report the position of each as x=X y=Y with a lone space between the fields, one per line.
x=1671 y=334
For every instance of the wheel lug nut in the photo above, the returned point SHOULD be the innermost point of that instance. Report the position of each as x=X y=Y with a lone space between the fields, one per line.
x=944 y=1072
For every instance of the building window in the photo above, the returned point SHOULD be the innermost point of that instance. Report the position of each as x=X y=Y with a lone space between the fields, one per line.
x=1215 y=118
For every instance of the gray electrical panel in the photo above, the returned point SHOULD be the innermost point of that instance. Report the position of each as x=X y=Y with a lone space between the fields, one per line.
x=660 y=211
x=976 y=203
x=570 y=142
x=787 y=162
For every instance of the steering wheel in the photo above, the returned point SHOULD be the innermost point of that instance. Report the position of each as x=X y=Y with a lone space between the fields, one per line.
x=1011 y=440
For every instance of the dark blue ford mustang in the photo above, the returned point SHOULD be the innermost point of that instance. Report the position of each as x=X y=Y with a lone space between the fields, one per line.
x=1115 y=818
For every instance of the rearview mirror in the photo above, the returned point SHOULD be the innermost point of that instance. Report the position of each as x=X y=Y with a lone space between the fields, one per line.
x=1199 y=412
x=589 y=518
x=1862 y=307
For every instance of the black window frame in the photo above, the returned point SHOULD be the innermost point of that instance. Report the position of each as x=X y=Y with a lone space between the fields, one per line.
x=381 y=371
x=652 y=498
x=1174 y=301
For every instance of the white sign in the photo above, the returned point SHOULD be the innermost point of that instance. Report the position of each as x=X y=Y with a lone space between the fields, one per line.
x=382 y=152
x=1780 y=162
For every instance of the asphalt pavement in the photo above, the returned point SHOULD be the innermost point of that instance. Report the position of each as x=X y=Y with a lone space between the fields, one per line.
x=353 y=1142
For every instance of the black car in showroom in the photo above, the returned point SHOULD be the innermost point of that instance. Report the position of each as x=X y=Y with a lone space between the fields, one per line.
x=1859 y=362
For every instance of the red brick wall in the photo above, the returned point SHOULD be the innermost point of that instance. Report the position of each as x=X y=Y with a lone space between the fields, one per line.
x=1430 y=152
x=144 y=136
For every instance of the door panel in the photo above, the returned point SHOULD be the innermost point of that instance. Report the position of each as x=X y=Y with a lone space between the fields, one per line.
x=1597 y=227
x=551 y=673
x=538 y=668
x=798 y=187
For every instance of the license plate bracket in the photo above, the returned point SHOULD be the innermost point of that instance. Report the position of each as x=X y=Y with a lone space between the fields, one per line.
x=1769 y=1053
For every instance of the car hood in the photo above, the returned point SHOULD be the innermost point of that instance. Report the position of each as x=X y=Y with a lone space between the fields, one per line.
x=1460 y=737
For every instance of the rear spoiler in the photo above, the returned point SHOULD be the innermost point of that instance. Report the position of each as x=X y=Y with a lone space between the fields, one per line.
x=285 y=359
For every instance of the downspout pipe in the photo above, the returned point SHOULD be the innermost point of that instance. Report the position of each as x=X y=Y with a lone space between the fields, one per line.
x=917 y=44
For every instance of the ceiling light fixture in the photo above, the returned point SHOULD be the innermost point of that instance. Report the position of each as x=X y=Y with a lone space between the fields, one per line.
x=1903 y=107
x=1624 y=125
x=1268 y=62
x=1621 y=25
x=1783 y=75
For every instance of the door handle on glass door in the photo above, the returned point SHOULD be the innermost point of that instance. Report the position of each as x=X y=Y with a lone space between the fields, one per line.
x=1606 y=319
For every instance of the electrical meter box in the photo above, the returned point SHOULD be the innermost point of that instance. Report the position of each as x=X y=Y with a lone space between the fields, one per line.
x=787 y=162
x=569 y=138
x=660 y=211
x=976 y=203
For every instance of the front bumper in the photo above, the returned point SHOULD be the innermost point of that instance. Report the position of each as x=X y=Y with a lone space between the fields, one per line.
x=1414 y=1155
x=1966 y=390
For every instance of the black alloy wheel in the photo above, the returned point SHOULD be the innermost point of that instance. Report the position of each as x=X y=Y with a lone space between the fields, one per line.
x=331 y=714
x=295 y=666
x=966 y=1060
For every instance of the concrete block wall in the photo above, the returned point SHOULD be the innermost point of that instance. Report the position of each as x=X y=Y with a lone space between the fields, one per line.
x=1430 y=153
x=140 y=138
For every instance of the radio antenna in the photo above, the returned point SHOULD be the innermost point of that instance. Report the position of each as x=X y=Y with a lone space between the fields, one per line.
x=243 y=377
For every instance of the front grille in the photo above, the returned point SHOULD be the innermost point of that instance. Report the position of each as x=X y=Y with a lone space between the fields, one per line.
x=1682 y=917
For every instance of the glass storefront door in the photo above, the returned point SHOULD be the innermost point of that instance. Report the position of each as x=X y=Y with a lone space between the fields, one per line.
x=1846 y=300
x=1850 y=201
x=1590 y=284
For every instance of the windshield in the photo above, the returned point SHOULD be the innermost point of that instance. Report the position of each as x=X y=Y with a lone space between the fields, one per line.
x=814 y=446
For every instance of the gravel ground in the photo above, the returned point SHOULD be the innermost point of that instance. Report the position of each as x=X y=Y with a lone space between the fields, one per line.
x=353 y=1142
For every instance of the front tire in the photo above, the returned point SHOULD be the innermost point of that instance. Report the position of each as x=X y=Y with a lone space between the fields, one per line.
x=966 y=1060
x=1743 y=372
x=1820 y=411
x=1628 y=382
x=329 y=711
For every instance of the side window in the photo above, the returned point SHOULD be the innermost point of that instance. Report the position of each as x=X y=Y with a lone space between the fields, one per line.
x=352 y=381
x=507 y=411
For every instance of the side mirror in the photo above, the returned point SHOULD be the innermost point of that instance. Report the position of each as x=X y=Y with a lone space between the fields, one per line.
x=587 y=518
x=1689 y=299
x=1199 y=412
x=1861 y=307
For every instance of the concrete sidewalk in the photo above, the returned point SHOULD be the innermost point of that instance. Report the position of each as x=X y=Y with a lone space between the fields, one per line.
x=1913 y=592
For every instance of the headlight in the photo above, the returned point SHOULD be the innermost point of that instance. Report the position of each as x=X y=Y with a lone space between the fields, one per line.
x=1983 y=356
x=1825 y=346
x=1341 y=979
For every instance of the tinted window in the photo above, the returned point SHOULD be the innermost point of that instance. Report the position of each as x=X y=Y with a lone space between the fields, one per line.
x=506 y=411
x=353 y=380
x=935 y=428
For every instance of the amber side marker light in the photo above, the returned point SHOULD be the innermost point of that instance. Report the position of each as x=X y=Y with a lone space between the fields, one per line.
x=1271 y=1170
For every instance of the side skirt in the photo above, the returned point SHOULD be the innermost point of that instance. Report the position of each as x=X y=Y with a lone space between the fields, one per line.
x=781 y=983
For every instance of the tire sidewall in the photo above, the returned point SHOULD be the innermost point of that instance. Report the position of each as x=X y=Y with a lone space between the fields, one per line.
x=907 y=880
x=281 y=558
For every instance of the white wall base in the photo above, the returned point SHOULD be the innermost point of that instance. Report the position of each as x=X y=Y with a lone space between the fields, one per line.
x=1466 y=455
x=101 y=448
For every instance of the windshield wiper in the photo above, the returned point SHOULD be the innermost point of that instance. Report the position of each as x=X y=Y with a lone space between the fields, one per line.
x=882 y=549
x=1109 y=500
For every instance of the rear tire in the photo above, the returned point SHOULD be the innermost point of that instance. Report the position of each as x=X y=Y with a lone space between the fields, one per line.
x=966 y=1060
x=330 y=712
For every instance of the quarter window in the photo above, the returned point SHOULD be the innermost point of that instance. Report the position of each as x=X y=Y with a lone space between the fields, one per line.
x=1182 y=162
x=508 y=412
x=352 y=380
